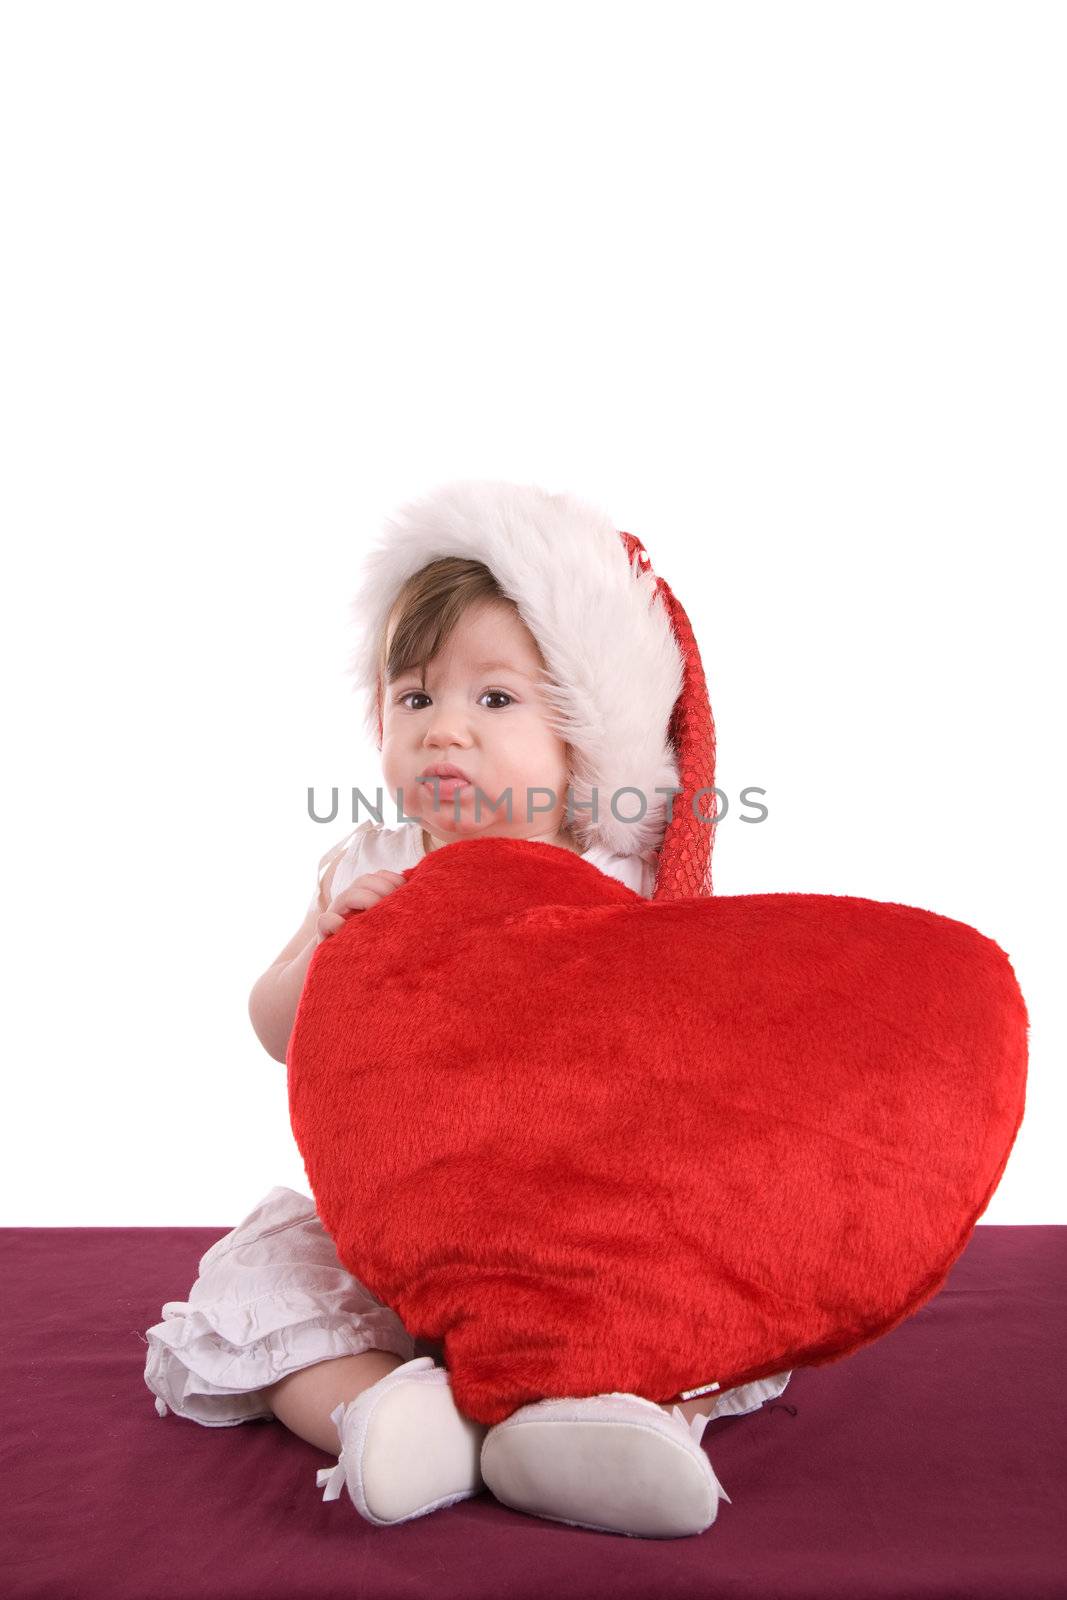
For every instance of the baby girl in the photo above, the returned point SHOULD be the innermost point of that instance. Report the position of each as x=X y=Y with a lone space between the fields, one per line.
x=476 y=742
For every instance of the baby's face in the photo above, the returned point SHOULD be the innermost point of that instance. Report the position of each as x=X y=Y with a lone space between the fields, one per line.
x=489 y=720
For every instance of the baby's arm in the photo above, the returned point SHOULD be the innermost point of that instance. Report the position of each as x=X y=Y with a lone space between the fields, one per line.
x=276 y=995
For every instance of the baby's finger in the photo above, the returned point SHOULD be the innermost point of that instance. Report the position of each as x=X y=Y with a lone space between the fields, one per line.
x=383 y=874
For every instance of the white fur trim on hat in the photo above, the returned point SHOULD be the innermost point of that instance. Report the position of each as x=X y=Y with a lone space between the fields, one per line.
x=605 y=636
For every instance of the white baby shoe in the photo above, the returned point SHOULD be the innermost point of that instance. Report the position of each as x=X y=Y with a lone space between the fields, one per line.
x=614 y=1462
x=405 y=1449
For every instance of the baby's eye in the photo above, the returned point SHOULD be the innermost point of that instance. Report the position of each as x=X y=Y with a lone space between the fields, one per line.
x=500 y=694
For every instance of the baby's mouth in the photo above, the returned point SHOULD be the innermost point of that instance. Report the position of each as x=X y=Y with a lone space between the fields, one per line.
x=445 y=784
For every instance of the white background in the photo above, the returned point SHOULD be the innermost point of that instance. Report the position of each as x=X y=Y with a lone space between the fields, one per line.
x=780 y=287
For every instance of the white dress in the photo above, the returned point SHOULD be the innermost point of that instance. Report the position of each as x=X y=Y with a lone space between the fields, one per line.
x=372 y=846
x=271 y=1295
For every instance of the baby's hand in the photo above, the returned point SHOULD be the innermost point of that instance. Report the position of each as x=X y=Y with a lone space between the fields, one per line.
x=360 y=895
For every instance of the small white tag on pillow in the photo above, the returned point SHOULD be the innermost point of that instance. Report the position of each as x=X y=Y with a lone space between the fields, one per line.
x=691 y=1394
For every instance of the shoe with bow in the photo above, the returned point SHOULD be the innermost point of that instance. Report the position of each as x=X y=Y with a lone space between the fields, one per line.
x=616 y=1462
x=405 y=1448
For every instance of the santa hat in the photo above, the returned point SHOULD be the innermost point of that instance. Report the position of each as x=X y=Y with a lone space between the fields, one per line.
x=628 y=692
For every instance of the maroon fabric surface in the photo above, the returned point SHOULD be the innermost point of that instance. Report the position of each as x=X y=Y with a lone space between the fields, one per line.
x=930 y=1463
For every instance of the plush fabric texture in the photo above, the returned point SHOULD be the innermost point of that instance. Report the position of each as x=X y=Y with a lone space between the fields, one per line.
x=593 y=1142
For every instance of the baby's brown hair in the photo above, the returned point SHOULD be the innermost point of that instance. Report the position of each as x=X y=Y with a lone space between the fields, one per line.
x=427 y=609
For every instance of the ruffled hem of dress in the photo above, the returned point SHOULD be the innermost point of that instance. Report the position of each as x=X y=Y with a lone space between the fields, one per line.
x=193 y=1370
x=750 y=1396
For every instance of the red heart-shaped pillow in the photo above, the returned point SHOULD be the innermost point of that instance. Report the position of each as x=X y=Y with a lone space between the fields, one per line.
x=594 y=1142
